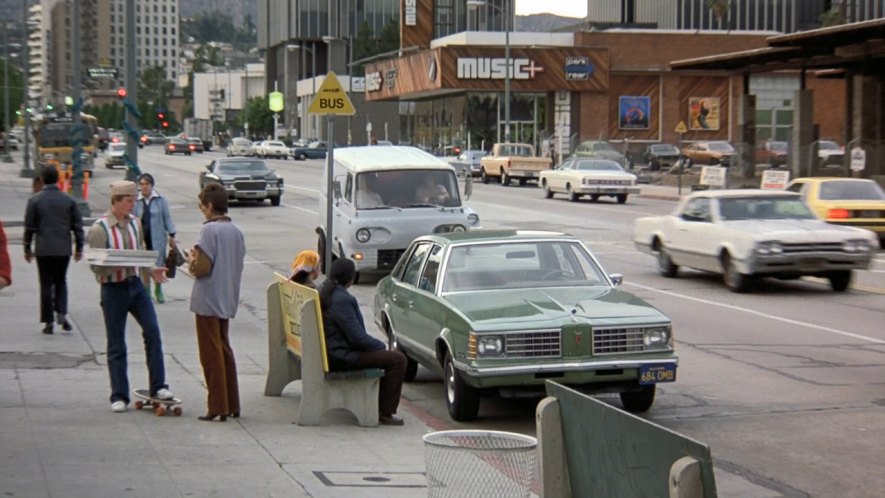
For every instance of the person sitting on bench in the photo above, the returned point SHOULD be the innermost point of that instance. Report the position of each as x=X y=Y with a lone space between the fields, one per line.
x=350 y=347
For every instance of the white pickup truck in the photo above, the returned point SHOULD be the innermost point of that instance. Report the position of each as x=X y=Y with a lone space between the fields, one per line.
x=511 y=160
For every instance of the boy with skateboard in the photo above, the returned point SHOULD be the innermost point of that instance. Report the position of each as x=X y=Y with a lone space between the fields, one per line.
x=122 y=292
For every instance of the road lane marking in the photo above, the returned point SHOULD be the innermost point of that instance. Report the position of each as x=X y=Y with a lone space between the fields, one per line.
x=300 y=208
x=790 y=321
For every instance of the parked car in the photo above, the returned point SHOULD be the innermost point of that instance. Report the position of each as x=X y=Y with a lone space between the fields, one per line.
x=577 y=177
x=11 y=139
x=271 y=148
x=114 y=155
x=244 y=179
x=830 y=154
x=658 y=156
x=178 y=146
x=315 y=150
x=195 y=144
x=507 y=309
x=854 y=202
x=771 y=152
x=469 y=161
x=103 y=138
x=239 y=147
x=715 y=152
x=153 y=137
x=600 y=149
x=749 y=234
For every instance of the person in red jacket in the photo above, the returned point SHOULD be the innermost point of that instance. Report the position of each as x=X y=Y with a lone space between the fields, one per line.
x=5 y=263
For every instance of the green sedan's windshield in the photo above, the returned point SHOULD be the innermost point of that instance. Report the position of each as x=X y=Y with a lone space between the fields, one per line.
x=520 y=265
x=764 y=208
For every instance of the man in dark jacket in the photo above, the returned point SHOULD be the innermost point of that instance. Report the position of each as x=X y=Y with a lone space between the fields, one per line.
x=52 y=216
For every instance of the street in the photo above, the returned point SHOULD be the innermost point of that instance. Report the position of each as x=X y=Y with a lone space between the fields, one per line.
x=786 y=384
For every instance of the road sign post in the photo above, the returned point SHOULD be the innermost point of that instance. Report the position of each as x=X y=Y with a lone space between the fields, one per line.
x=680 y=129
x=330 y=100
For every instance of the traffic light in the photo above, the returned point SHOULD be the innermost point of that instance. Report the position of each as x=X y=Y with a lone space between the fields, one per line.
x=165 y=124
x=161 y=116
x=121 y=93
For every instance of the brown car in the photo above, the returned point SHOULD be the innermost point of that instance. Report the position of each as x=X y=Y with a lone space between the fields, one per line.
x=773 y=152
x=715 y=152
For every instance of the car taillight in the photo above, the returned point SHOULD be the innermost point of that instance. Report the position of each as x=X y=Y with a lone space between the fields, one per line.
x=171 y=147
x=838 y=214
x=191 y=147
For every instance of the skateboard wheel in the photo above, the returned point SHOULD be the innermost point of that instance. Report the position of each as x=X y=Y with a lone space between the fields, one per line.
x=177 y=411
x=139 y=405
x=160 y=410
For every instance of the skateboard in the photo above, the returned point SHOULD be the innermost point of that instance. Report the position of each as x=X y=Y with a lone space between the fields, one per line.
x=160 y=406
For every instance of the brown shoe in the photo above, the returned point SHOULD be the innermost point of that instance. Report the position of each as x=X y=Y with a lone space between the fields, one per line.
x=390 y=420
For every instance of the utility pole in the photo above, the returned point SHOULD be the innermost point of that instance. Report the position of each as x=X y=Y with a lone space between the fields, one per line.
x=6 y=157
x=78 y=129
x=131 y=84
x=26 y=170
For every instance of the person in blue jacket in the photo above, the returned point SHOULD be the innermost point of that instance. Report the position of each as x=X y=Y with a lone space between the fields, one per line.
x=159 y=230
x=350 y=347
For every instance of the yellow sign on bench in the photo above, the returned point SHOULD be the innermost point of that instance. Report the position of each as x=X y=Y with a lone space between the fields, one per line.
x=292 y=298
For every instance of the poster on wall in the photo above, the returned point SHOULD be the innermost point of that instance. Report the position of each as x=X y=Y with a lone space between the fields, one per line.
x=633 y=112
x=703 y=113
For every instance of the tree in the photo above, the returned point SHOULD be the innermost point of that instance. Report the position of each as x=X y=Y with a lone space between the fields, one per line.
x=259 y=116
x=366 y=44
x=15 y=92
x=154 y=87
x=720 y=9
x=832 y=17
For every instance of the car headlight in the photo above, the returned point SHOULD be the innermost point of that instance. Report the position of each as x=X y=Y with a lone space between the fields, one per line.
x=363 y=235
x=473 y=219
x=489 y=345
x=855 y=246
x=656 y=337
x=770 y=248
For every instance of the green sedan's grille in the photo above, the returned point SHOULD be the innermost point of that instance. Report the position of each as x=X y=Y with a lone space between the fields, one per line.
x=533 y=344
x=617 y=340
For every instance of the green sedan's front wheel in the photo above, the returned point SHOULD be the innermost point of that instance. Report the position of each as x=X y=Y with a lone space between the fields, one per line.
x=461 y=399
x=638 y=401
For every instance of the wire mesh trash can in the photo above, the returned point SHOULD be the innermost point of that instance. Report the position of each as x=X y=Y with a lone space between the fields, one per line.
x=479 y=463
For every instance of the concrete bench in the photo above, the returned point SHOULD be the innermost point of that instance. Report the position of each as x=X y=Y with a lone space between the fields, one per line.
x=301 y=354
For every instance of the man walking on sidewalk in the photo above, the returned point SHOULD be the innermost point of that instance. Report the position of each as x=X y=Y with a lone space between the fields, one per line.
x=50 y=218
x=122 y=293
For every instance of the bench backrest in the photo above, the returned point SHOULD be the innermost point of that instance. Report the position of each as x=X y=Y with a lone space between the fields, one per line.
x=293 y=298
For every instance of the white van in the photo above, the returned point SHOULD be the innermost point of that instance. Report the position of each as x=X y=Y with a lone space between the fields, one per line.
x=384 y=197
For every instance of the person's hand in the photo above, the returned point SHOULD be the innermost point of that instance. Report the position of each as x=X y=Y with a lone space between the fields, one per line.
x=158 y=274
x=190 y=255
x=3 y=282
x=28 y=257
x=78 y=256
x=171 y=241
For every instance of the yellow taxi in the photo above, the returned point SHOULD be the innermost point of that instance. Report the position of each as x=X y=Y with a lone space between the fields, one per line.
x=856 y=202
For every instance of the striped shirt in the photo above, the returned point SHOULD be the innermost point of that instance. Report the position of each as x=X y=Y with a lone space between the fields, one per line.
x=110 y=233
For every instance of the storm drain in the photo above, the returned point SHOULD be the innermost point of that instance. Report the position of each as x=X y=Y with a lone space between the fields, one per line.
x=362 y=479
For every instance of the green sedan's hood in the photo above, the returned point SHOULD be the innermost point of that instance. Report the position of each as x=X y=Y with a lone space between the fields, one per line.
x=489 y=310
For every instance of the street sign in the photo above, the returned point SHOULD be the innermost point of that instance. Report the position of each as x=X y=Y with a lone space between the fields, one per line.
x=713 y=176
x=275 y=101
x=331 y=99
x=773 y=179
x=858 y=159
x=103 y=72
x=681 y=128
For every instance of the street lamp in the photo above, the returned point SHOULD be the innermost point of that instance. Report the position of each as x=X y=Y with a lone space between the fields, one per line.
x=313 y=75
x=507 y=62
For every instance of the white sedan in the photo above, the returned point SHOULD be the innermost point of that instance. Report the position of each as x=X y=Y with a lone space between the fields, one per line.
x=271 y=148
x=580 y=176
x=748 y=234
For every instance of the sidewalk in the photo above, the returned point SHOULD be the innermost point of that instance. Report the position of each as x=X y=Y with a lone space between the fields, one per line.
x=59 y=437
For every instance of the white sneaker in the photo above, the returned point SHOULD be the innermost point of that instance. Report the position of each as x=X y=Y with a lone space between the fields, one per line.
x=118 y=406
x=164 y=393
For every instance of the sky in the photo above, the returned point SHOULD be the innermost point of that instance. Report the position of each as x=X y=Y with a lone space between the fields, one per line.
x=568 y=8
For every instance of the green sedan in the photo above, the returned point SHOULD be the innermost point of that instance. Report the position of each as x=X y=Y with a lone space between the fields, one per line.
x=499 y=312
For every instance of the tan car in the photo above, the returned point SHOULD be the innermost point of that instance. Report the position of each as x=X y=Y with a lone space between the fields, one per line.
x=715 y=152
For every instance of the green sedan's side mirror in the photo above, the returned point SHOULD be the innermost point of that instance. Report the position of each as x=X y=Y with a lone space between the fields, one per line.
x=468 y=185
x=617 y=279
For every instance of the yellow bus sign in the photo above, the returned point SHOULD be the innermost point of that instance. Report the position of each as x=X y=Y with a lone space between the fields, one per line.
x=275 y=101
x=331 y=99
x=681 y=128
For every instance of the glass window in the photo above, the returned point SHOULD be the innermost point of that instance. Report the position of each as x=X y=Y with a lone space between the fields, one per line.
x=431 y=269
x=348 y=188
x=413 y=267
x=698 y=209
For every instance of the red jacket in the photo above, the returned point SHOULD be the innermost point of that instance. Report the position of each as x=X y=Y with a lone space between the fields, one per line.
x=5 y=264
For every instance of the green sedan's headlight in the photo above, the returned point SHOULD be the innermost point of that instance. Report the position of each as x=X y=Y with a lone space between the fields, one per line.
x=656 y=338
x=490 y=345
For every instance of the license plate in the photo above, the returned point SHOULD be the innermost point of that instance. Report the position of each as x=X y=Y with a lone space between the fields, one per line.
x=812 y=264
x=251 y=194
x=653 y=374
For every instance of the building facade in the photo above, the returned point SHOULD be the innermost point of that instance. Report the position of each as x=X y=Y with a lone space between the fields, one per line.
x=156 y=34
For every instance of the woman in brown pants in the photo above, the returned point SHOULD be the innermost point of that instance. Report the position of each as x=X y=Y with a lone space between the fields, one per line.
x=216 y=263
